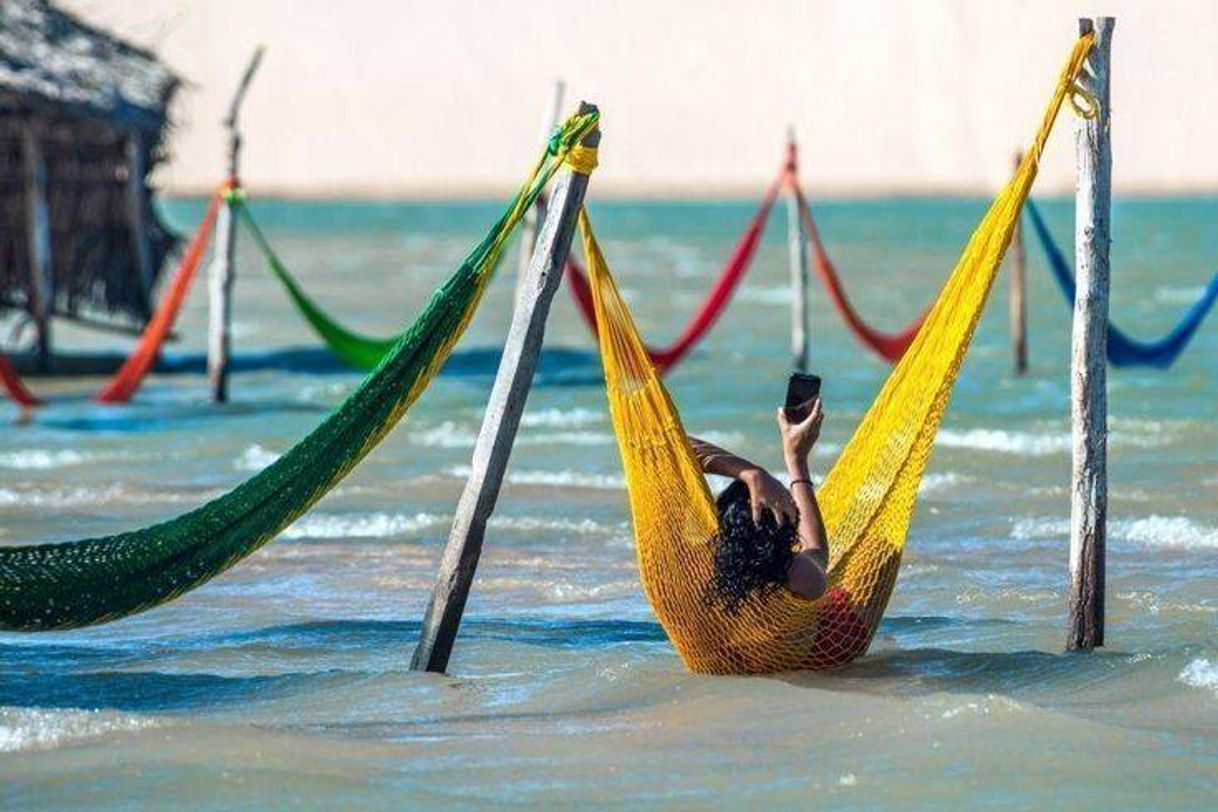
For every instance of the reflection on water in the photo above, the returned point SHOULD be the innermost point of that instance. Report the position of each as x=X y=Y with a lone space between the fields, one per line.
x=286 y=679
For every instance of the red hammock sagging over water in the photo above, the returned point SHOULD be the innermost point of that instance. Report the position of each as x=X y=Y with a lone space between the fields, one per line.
x=131 y=374
x=889 y=346
x=716 y=300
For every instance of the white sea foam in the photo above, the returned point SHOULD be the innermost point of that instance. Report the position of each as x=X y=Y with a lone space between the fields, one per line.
x=1021 y=443
x=450 y=435
x=362 y=525
x=941 y=481
x=1165 y=532
x=557 y=479
x=561 y=418
x=1169 y=532
x=534 y=524
x=30 y=459
x=1201 y=673
x=34 y=729
x=1040 y=527
x=1124 y=433
x=254 y=458
x=1169 y=294
x=79 y=497
x=774 y=295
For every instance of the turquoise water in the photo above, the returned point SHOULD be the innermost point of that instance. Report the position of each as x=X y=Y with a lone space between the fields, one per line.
x=286 y=681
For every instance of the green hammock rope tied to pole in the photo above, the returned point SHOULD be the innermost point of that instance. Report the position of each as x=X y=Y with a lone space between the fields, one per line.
x=79 y=583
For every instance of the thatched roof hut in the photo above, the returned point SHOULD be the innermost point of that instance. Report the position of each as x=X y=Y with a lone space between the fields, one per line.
x=82 y=122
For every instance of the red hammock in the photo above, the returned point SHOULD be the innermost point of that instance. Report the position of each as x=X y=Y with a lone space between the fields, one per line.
x=131 y=374
x=665 y=358
x=889 y=346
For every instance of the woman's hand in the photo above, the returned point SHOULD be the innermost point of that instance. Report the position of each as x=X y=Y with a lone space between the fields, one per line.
x=767 y=493
x=798 y=438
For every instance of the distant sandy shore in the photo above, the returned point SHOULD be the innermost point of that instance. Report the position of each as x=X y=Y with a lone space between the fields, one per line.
x=373 y=98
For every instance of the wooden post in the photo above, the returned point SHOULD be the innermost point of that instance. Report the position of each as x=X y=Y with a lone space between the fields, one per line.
x=1018 y=303
x=528 y=228
x=1089 y=395
x=38 y=237
x=137 y=166
x=797 y=249
x=501 y=420
x=220 y=275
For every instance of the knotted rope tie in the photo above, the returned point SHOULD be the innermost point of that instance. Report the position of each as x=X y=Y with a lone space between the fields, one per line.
x=231 y=191
x=581 y=159
x=1083 y=101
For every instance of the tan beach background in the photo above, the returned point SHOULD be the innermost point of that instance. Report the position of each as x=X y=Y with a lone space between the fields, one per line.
x=418 y=99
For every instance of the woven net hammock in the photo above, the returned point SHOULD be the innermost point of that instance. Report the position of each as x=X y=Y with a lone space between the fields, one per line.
x=867 y=499
x=1124 y=350
x=78 y=583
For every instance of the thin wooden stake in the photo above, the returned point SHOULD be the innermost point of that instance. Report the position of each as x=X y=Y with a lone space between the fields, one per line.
x=1018 y=303
x=1089 y=386
x=528 y=228
x=797 y=249
x=501 y=420
x=38 y=237
x=222 y=271
x=137 y=166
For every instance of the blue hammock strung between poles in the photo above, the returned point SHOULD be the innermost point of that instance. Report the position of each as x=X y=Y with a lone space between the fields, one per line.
x=1122 y=350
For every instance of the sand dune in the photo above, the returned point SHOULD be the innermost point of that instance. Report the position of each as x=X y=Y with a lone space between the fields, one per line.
x=412 y=98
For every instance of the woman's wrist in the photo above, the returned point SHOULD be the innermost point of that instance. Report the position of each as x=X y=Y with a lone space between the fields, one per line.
x=797 y=464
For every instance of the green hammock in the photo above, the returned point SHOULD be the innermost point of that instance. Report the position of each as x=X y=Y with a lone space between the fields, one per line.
x=361 y=352
x=78 y=583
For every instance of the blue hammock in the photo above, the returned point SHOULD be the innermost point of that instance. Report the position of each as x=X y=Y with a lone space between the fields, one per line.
x=1123 y=350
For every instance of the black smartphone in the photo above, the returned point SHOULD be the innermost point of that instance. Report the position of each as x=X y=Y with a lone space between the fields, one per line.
x=801 y=390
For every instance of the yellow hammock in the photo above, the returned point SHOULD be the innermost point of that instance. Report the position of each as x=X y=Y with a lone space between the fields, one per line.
x=867 y=498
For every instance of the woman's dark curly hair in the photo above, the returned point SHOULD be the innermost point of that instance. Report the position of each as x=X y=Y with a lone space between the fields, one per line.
x=749 y=560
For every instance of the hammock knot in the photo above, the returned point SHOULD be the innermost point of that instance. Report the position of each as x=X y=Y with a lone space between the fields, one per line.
x=581 y=159
x=1083 y=101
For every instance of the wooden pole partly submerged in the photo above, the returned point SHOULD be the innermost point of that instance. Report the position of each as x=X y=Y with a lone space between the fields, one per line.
x=137 y=167
x=1089 y=361
x=1018 y=303
x=528 y=228
x=38 y=239
x=797 y=249
x=501 y=420
x=220 y=276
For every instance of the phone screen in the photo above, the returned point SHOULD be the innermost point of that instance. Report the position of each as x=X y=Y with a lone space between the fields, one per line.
x=801 y=389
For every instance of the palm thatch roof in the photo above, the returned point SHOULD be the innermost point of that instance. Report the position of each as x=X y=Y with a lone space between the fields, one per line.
x=95 y=109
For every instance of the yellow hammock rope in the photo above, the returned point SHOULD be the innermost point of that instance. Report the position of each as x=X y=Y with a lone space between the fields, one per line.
x=867 y=498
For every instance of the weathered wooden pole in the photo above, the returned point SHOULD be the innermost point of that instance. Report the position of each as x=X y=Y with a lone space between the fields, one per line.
x=1018 y=303
x=137 y=167
x=528 y=228
x=797 y=249
x=501 y=420
x=1089 y=386
x=220 y=276
x=38 y=238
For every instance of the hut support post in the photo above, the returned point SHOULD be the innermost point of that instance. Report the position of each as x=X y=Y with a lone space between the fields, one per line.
x=38 y=237
x=137 y=167
x=220 y=276
x=1089 y=396
x=501 y=420
x=534 y=216
x=797 y=248
x=1018 y=302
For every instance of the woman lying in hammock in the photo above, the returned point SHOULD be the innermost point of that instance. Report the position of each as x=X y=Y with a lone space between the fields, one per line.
x=769 y=537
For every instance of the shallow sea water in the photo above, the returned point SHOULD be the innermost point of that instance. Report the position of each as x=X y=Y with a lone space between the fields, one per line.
x=285 y=681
